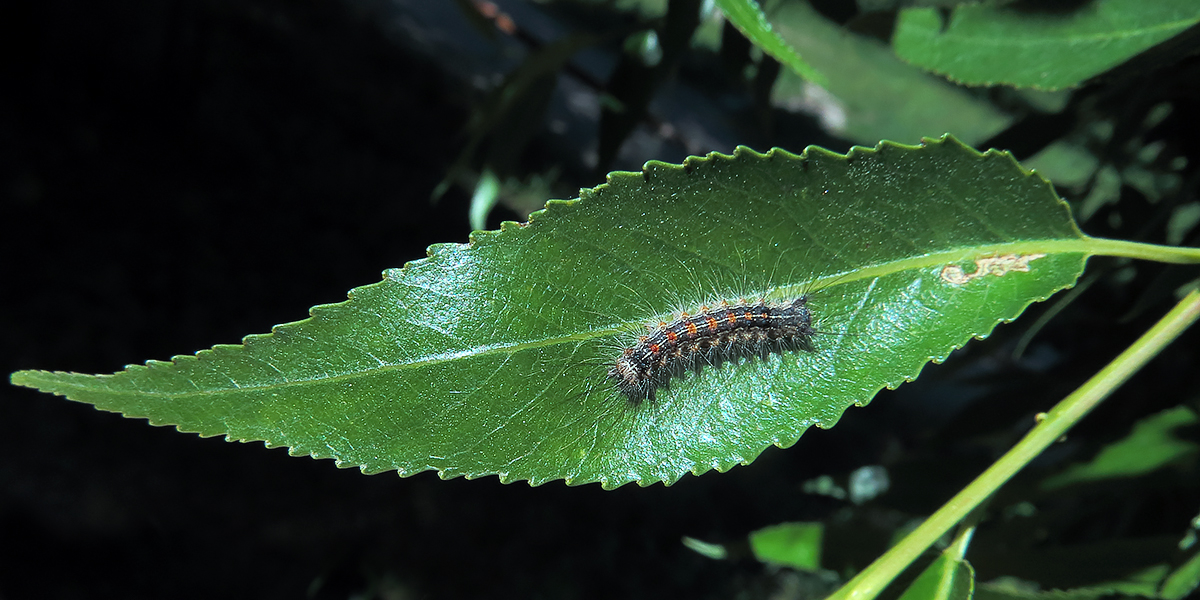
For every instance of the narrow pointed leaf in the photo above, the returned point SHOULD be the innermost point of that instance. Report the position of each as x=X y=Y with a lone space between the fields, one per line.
x=491 y=357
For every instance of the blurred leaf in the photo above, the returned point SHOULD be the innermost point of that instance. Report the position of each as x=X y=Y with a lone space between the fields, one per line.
x=1106 y=189
x=644 y=45
x=871 y=94
x=487 y=193
x=1183 y=220
x=481 y=24
x=1183 y=581
x=946 y=579
x=633 y=82
x=795 y=545
x=646 y=9
x=490 y=357
x=706 y=549
x=879 y=5
x=1129 y=566
x=748 y=17
x=506 y=115
x=1066 y=164
x=1037 y=46
x=989 y=591
x=1150 y=446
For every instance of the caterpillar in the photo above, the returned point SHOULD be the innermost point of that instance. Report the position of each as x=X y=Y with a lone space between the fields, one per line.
x=728 y=332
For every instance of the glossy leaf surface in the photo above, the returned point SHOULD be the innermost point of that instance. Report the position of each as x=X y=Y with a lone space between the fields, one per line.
x=490 y=358
x=1043 y=47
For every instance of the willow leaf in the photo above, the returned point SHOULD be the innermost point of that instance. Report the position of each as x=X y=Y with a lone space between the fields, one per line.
x=490 y=357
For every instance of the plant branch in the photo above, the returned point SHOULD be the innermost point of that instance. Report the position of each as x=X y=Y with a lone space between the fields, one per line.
x=872 y=580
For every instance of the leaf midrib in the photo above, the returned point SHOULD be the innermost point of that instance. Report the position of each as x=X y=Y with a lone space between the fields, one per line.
x=1050 y=246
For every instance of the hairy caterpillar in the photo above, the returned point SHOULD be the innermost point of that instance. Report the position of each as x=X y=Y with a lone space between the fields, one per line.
x=727 y=332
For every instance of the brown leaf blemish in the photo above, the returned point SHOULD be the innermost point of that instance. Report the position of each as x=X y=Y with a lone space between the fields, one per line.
x=989 y=265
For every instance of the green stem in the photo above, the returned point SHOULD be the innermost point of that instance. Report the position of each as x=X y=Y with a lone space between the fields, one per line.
x=872 y=580
x=1154 y=252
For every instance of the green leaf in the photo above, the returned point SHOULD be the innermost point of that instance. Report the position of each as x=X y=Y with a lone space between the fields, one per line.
x=1150 y=446
x=870 y=94
x=484 y=199
x=1182 y=581
x=986 y=44
x=1139 y=584
x=792 y=544
x=946 y=579
x=706 y=549
x=1066 y=164
x=749 y=19
x=491 y=357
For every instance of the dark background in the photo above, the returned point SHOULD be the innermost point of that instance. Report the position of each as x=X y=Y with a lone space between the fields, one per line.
x=179 y=174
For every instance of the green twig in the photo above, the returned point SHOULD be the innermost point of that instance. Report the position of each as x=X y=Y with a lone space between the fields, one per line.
x=1142 y=251
x=872 y=580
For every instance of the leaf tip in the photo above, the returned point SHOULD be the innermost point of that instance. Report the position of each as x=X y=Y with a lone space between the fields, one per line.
x=51 y=382
x=20 y=378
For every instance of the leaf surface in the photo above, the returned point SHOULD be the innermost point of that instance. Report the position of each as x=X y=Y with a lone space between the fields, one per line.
x=986 y=44
x=490 y=357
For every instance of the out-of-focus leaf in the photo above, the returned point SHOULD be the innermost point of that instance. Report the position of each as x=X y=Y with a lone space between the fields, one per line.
x=748 y=17
x=1127 y=566
x=1106 y=189
x=946 y=579
x=706 y=549
x=792 y=544
x=487 y=193
x=502 y=123
x=1182 y=581
x=1148 y=447
x=1037 y=46
x=1142 y=584
x=871 y=94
